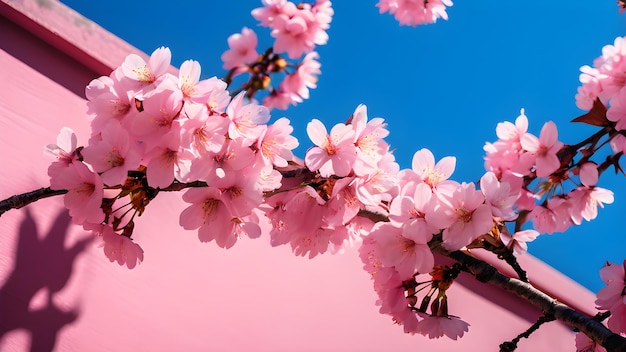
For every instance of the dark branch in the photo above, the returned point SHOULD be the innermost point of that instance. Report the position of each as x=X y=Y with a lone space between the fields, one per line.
x=510 y=346
x=550 y=306
x=22 y=200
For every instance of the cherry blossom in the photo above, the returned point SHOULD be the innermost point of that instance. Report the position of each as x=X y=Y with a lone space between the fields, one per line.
x=585 y=344
x=190 y=84
x=407 y=251
x=242 y=49
x=276 y=143
x=214 y=220
x=415 y=12
x=370 y=145
x=113 y=155
x=499 y=195
x=436 y=326
x=246 y=120
x=64 y=152
x=612 y=297
x=463 y=215
x=544 y=149
x=119 y=248
x=518 y=242
x=84 y=192
x=136 y=68
x=305 y=77
x=586 y=199
x=334 y=153
x=433 y=174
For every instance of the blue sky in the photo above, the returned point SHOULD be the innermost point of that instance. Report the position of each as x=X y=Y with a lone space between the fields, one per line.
x=443 y=86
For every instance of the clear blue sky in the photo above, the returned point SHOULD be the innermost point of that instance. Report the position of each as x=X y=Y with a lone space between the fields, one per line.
x=443 y=86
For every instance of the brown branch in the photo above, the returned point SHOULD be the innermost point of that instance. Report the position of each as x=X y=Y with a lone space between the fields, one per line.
x=510 y=346
x=22 y=200
x=550 y=306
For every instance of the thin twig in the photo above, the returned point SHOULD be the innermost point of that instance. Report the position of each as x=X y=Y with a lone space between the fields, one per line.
x=510 y=346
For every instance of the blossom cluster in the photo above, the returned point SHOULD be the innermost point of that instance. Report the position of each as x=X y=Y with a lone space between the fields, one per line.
x=297 y=29
x=524 y=175
x=349 y=170
x=606 y=81
x=415 y=12
x=533 y=168
x=151 y=129
x=154 y=131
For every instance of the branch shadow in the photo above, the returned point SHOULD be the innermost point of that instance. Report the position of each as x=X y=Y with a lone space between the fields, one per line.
x=41 y=266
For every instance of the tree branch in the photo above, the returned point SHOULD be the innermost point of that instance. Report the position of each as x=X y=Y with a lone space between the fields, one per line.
x=550 y=306
x=22 y=200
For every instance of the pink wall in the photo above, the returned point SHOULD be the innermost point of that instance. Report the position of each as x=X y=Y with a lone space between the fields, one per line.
x=58 y=291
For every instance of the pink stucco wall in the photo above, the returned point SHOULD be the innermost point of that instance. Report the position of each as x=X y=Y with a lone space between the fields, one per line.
x=58 y=291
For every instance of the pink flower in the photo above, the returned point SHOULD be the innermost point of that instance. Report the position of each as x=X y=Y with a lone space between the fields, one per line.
x=136 y=68
x=591 y=88
x=167 y=161
x=214 y=220
x=617 y=111
x=586 y=199
x=269 y=11
x=518 y=241
x=242 y=49
x=64 y=152
x=415 y=12
x=219 y=98
x=544 y=148
x=612 y=297
x=506 y=154
x=585 y=344
x=161 y=107
x=409 y=211
x=246 y=120
x=277 y=143
x=305 y=77
x=203 y=133
x=334 y=153
x=499 y=195
x=424 y=166
x=84 y=192
x=108 y=98
x=375 y=188
x=297 y=29
x=436 y=326
x=463 y=215
x=189 y=82
x=343 y=204
x=407 y=251
x=553 y=218
x=618 y=144
x=370 y=145
x=278 y=99
x=113 y=155
x=297 y=218
x=120 y=249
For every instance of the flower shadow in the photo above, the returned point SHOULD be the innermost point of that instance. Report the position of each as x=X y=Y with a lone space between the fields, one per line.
x=42 y=268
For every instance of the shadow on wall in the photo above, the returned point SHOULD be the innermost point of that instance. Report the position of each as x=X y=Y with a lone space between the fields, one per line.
x=42 y=268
